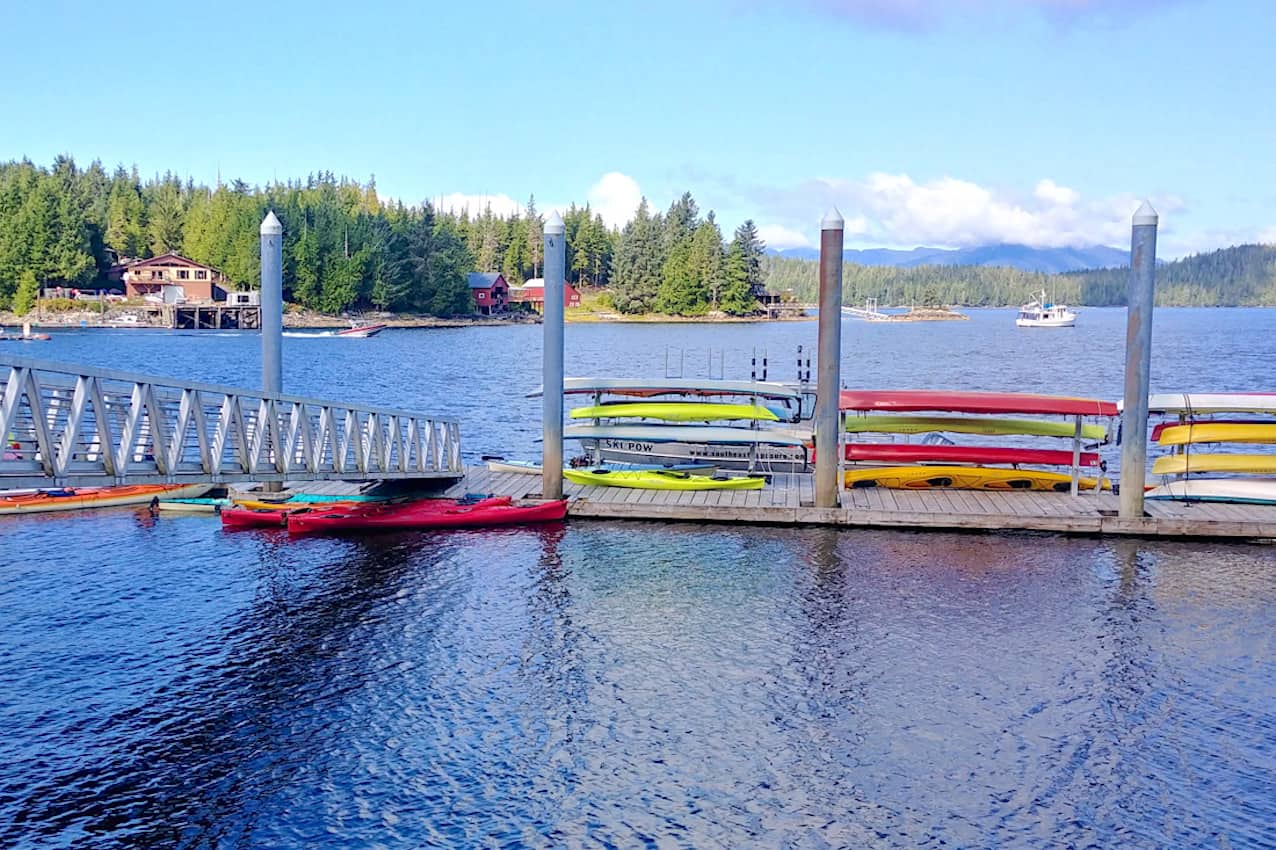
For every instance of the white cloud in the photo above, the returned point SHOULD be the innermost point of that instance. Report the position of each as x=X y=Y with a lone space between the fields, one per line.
x=502 y=205
x=1051 y=192
x=897 y=211
x=780 y=237
x=1268 y=236
x=615 y=197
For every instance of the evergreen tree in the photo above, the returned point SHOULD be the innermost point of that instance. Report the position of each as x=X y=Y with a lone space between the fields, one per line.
x=637 y=263
x=28 y=291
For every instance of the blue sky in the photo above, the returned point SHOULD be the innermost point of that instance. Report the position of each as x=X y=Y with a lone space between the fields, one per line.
x=928 y=123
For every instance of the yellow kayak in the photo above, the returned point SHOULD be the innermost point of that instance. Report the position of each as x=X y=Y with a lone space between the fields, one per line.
x=881 y=424
x=656 y=479
x=1218 y=432
x=964 y=478
x=1212 y=462
x=676 y=411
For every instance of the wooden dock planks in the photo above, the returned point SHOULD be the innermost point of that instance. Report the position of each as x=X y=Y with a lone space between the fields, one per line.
x=788 y=499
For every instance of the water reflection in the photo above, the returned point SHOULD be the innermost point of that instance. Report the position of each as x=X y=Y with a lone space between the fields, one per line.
x=636 y=684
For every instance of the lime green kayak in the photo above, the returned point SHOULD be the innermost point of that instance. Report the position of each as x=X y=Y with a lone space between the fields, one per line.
x=676 y=411
x=659 y=480
x=970 y=425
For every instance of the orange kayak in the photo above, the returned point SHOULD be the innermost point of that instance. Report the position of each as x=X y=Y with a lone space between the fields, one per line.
x=76 y=498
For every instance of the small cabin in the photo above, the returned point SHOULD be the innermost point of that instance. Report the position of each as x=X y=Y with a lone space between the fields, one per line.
x=173 y=278
x=532 y=294
x=490 y=292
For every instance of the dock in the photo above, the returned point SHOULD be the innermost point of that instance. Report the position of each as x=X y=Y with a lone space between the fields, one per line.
x=788 y=500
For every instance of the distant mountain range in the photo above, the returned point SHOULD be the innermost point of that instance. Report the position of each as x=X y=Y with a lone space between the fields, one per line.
x=1050 y=260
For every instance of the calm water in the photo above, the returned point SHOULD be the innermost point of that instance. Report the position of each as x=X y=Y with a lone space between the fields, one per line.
x=631 y=684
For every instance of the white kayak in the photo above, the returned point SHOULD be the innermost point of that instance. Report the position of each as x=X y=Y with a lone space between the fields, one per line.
x=1254 y=491
x=1200 y=403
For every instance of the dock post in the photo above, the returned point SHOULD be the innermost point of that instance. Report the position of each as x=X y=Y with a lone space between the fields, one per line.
x=272 y=312
x=552 y=411
x=1138 y=361
x=829 y=369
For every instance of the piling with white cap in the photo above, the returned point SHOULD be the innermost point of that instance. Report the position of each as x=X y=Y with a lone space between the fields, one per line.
x=272 y=304
x=272 y=312
x=829 y=366
x=1138 y=361
x=552 y=362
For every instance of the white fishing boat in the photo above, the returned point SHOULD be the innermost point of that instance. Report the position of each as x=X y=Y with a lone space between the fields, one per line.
x=1040 y=313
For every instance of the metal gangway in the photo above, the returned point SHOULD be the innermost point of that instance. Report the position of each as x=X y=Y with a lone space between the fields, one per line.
x=869 y=313
x=70 y=425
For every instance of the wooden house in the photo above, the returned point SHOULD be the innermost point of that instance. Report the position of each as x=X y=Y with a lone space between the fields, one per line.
x=532 y=293
x=172 y=277
x=490 y=291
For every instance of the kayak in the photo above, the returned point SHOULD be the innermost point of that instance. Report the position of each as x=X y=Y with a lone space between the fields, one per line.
x=75 y=498
x=677 y=411
x=961 y=401
x=289 y=504
x=429 y=513
x=241 y=517
x=964 y=478
x=970 y=425
x=1180 y=464
x=195 y=506
x=919 y=453
x=1250 y=491
x=660 y=480
x=532 y=468
x=1215 y=432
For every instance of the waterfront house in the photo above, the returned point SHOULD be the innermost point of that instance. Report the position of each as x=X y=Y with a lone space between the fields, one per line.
x=532 y=294
x=173 y=278
x=490 y=291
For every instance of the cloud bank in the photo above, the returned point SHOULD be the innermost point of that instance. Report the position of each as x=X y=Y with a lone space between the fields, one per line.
x=928 y=14
x=897 y=211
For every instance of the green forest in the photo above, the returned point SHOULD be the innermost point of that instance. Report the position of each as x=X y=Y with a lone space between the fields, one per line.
x=1242 y=276
x=345 y=248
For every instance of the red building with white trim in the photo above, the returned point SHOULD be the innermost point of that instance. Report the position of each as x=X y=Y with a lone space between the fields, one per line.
x=491 y=292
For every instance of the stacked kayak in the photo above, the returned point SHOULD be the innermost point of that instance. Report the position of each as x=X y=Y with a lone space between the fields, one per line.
x=428 y=514
x=532 y=468
x=76 y=498
x=999 y=465
x=966 y=478
x=660 y=479
x=1197 y=442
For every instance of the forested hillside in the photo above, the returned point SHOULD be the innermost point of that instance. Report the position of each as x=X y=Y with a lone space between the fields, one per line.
x=1240 y=276
x=344 y=247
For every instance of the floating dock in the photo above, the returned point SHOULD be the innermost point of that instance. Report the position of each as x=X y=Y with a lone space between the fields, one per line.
x=788 y=500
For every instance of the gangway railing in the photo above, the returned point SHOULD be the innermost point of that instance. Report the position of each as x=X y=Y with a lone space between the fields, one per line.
x=69 y=425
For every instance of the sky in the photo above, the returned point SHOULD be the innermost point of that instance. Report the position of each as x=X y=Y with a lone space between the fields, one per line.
x=946 y=124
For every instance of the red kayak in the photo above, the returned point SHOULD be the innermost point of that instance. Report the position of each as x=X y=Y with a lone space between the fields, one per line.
x=254 y=518
x=922 y=453
x=901 y=401
x=434 y=513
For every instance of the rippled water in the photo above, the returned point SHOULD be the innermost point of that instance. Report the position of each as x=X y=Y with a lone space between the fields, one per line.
x=633 y=684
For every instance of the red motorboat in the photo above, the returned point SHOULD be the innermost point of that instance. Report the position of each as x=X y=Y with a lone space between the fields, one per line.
x=924 y=453
x=429 y=513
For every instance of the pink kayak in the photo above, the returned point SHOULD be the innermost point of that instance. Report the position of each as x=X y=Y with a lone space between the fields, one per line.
x=432 y=513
